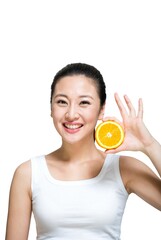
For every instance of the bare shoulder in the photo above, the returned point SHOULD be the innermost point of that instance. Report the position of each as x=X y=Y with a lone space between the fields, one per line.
x=20 y=207
x=132 y=164
x=22 y=176
x=138 y=178
x=24 y=169
x=133 y=170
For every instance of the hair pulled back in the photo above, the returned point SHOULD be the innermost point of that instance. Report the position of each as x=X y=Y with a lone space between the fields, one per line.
x=82 y=69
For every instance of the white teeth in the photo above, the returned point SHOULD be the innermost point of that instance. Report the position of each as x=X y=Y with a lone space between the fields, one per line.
x=72 y=126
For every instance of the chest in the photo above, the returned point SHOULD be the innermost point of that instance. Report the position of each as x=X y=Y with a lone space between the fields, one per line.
x=76 y=171
x=97 y=206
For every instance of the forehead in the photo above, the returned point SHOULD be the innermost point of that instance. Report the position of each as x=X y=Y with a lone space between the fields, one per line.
x=76 y=84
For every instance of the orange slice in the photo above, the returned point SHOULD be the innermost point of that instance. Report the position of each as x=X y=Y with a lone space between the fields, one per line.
x=109 y=135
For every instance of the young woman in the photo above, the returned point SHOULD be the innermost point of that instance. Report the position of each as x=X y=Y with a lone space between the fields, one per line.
x=78 y=191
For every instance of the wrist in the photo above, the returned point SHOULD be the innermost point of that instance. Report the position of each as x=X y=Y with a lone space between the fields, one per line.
x=152 y=147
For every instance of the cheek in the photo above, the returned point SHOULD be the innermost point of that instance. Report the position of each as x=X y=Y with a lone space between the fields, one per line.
x=92 y=116
x=56 y=120
x=56 y=117
x=56 y=113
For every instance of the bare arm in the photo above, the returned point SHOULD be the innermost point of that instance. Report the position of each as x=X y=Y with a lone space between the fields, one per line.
x=19 y=212
x=141 y=180
x=138 y=177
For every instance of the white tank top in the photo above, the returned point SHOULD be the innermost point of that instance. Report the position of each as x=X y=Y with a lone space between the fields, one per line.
x=89 y=209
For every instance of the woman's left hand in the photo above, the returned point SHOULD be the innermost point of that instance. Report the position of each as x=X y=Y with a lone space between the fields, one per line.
x=137 y=136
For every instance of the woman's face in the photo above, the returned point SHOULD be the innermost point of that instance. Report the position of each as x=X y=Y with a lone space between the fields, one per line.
x=75 y=108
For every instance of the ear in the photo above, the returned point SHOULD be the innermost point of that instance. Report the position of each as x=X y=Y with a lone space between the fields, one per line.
x=101 y=113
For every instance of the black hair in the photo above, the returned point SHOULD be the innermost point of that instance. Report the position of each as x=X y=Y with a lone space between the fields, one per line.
x=82 y=69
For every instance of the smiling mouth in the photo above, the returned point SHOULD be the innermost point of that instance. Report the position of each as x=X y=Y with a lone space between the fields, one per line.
x=72 y=126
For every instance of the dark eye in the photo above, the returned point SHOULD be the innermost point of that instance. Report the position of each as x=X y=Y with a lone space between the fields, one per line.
x=61 y=102
x=85 y=103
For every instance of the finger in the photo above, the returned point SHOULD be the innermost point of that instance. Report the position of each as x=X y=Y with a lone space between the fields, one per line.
x=121 y=107
x=140 y=108
x=130 y=106
x=111 y=151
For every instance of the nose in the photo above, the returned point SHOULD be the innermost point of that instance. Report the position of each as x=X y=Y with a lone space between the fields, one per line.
x=72 y=113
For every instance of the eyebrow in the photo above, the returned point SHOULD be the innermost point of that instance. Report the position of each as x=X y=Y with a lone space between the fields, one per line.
x=61 y=95
x=81 y=96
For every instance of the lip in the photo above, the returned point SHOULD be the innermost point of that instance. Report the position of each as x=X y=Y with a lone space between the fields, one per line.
x=72 y=127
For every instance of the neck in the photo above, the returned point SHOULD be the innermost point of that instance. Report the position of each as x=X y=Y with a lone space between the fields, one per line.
x=78 y=151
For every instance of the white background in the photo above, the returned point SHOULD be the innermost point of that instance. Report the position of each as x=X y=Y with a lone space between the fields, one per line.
x=37 y=38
